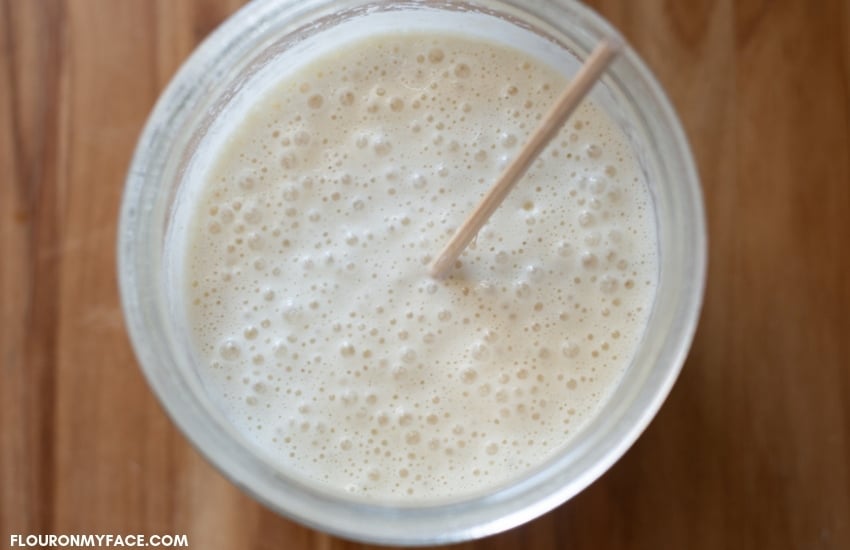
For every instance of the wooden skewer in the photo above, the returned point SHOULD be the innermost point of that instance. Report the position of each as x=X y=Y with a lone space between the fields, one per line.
x=564 y=106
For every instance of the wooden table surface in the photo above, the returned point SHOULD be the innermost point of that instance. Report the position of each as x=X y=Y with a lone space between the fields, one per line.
x=752 y=448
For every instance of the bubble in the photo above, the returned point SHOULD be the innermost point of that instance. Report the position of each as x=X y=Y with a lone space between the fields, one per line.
x=408 y=355
x=288 y=161
x=593 y=238
x=315 y=101
x=250 y=332
x=346 y=98
x=361 y=141
x=398 y=371
x=435 y=55
x=615 y=236
x=345 y=444
x=346 y=349
x=564 y=249
x=381 y=146
x=252 y=215
x=382 y=418
x=462 y=70
x=292 y=312
x=585 y=219
x=229 y=350
x=396 y=104
x=255 y=242
x=480 y=351
x=348 y=397
x=468 y=376
x=246 y=183
x=279 y=349
x=534 y=272
x=492 y=448
x=608 y=284
x=391 y=174
x=522 y=289
x=301 y=138
x=589 y=260
x=291 y=193
x=596 y=185
x=404 y=417
x=507 y=140
x=570 y=349
x=593 y=151
x=412 y=438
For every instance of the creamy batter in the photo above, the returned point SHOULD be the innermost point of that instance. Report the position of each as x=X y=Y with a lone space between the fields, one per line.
x=318 y=328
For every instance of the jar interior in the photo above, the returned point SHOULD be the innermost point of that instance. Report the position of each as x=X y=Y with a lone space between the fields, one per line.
x=268 y=42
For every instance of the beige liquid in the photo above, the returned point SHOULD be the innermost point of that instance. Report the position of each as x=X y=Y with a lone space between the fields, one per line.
x=320 y=332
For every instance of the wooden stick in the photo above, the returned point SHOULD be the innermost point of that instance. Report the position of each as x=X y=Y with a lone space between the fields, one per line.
x=587 y=76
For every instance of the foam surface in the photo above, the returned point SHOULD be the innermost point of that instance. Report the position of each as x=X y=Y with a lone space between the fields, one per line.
x=306 y=269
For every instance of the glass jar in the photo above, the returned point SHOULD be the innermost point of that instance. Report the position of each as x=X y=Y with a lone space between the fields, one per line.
x=246 y=51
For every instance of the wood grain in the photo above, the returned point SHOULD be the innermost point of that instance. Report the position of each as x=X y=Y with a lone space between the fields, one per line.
x=750 y=451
